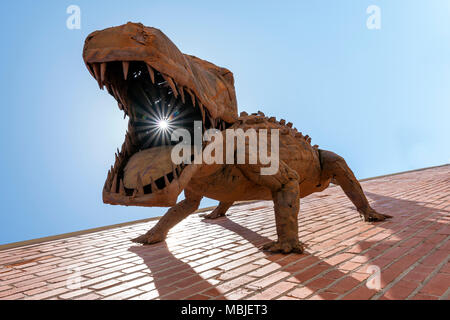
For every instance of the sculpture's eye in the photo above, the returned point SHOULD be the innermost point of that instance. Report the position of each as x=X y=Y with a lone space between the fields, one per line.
x=228 y=75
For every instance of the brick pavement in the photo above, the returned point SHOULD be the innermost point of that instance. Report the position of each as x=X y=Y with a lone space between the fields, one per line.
x=221 y=259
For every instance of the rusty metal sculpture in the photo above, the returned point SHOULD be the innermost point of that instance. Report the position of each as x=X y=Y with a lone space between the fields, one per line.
x=153 y=81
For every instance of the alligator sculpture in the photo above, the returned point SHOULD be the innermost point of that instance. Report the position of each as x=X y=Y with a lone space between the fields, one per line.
x=153 y=81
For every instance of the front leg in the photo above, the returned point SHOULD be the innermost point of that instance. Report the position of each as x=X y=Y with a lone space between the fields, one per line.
x=284 y=186
x=219 y=211
x=173 y=216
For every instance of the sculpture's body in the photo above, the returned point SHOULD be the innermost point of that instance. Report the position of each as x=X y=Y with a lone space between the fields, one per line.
x=149 y=76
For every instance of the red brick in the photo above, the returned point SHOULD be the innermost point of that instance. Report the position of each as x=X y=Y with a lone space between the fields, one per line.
x=360 y=293
x=301 y=293
x=3 y=288
x=400 y=291
x=319 y=283
x=324 y=296
x=90 y=296
x=445 y=268
x=339 y=258
x=237 y=294
x=48 y=294
x=199 y=297
x=435 y=258
x=274 y=291
x=437 y=285
x=344 y=285
x=349 y=266
x=73 y=294
x=16 y=296
x=267 y=280
x=424 y=297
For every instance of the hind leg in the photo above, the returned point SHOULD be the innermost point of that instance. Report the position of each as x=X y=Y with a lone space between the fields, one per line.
x=173 y=216
x=335 y=167
x=219 y=211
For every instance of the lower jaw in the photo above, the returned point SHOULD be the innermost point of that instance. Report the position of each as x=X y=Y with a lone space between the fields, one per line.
x=166 y=197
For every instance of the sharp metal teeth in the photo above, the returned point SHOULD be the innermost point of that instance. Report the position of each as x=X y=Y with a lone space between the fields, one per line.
x=181 y=91
x=109 y=88
x=90 y=68
x=114 y=184
x=108 y=181
x=125 y=66
x=174 y=172
x=115 y=93
x=121 y=188
x=140 y=186
x=308 y=139
x=152 y=73
x=166 y=181
x=103 y=72
x=154 y=186
x=118 y=97
x=96 y=67
x=192 y=97
x=202 y=111
x=172 y=85
x=213 y=121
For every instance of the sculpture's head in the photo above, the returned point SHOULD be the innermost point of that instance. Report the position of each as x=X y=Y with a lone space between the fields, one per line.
x=160 y=89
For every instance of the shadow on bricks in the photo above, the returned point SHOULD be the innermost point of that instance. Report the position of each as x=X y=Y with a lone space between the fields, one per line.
x=398 y=246
x=173 y=278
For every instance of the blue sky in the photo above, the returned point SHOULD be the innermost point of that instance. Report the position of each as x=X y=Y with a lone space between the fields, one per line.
x=380 y=98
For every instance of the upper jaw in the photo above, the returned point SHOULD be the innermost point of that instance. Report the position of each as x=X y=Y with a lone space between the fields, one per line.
x=134 y=42
x=99 y=71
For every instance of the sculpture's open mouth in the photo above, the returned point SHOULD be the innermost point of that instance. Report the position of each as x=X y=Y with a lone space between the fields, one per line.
x=143 y=172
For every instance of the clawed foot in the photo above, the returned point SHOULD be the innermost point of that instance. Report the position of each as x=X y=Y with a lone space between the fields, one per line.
x=213 y=215
x=371 y=216
x=284 y=247
x=150 y=237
